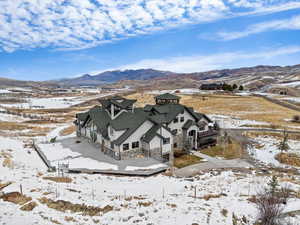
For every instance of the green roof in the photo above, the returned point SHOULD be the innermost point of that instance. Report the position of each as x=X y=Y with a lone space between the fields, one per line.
x=118 y=101
x=152 y=132
x=167 y=96
x=188 y=124
x=131 y=121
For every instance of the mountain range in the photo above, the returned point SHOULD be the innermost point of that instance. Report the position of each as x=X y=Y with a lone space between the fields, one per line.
x=253 y=78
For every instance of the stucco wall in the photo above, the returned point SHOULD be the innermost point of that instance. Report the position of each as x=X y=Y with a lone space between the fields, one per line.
x=137 y=135
x=178 y=125
x=157 y=142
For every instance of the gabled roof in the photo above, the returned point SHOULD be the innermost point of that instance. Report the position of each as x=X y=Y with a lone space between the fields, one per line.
x=129 y=121
x=167 y=96
x=188 y=124
x=118 y=101
x=151 y=133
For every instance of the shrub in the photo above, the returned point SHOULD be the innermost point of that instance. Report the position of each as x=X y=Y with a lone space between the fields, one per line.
x=271 y=202
x=296 y=118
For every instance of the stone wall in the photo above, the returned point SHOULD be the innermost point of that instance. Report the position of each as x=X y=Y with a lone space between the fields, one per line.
x=156 y=154
x=131 y=154
x=179 y=140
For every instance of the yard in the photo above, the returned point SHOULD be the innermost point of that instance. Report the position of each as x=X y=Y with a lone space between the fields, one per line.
x=186 y=160
x=250 y=108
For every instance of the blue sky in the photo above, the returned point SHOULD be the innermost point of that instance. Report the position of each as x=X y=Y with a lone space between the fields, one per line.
x=52 y=39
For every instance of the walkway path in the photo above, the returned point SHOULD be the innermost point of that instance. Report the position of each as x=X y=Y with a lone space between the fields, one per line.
x=212 y=163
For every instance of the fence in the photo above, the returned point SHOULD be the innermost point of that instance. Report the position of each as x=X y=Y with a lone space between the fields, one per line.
x=27 y=116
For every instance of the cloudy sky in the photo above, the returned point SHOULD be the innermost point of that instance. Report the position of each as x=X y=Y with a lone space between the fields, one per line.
x=51 y=39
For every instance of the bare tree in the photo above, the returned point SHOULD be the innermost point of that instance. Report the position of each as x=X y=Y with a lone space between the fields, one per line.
x=271 y=202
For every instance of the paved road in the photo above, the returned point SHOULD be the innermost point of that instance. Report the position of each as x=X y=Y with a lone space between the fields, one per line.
x=212 y=163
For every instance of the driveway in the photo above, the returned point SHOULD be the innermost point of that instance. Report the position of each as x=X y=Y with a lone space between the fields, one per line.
x=212 y=163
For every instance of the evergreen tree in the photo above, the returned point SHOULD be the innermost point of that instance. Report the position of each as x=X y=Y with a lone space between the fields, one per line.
x=241 y=88
x=273 y=184
x=234 y=86
x=283 y=145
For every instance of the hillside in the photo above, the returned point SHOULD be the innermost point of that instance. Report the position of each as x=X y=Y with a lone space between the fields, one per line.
x=114 y=76
x=258 y=78
x=5 y=82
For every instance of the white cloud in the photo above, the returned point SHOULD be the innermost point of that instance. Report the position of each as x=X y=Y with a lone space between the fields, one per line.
x=77 y=24
x=285 y=24
x=198 y=63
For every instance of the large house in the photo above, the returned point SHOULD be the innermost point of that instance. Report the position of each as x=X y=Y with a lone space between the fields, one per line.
x=212 y=86
x=124 y=131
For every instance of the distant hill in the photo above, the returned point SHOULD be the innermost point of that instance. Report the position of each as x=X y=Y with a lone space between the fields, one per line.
x=258 y=78
x=114 y=76
x=5 y=82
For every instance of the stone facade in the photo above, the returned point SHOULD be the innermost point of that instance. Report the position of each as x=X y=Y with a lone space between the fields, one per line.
x=133 y=154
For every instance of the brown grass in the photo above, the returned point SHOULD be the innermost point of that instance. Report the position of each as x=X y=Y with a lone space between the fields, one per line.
x=7 y=162
x=67 y=131
x=59 y=179
x=29 y=206
x=13 y=126
x=245 y=107
x=16 y=198
x=64 y=206
x=209 y=196
x=144 y=204
x=232 y=150
x=276 y=135
x=4 y=185
x=186 y=160
x=288 y=158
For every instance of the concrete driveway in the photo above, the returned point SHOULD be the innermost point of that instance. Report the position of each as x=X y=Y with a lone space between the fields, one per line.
x=212 y=163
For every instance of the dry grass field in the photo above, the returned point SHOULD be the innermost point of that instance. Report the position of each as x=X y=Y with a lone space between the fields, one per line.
x=231 y=150
x=243 y=107
x=186 y=160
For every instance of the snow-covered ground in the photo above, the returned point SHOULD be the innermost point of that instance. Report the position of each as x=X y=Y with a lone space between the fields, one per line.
x=4 y=91
x=267 y=148
x=180 y=91
x=55 y=102
x=156 y=200
x=135 y=200
x=230 y=122
x=47 y=103
x=290 y=84
x=11 y=118
x=293 y=99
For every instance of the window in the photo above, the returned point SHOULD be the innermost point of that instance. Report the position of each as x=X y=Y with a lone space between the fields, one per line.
x=182 y=119
x=135 y=144
x=166 y=141
x=125 y=147
x=175 y=131
x=176 y=120
x=191 y=133
x=111 y=145
x=175 y=145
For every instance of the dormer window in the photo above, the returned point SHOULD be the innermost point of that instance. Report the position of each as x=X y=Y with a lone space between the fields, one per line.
x=176 y=120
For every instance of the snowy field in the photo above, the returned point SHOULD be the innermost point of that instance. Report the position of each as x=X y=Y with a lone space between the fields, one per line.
x=158 y=200
x=54 y=102
x=47 y=103
x=267 y=149
x=180 y=91
x=211 y=198
x=292 y=99
x=230 y=122
x=290 y=84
